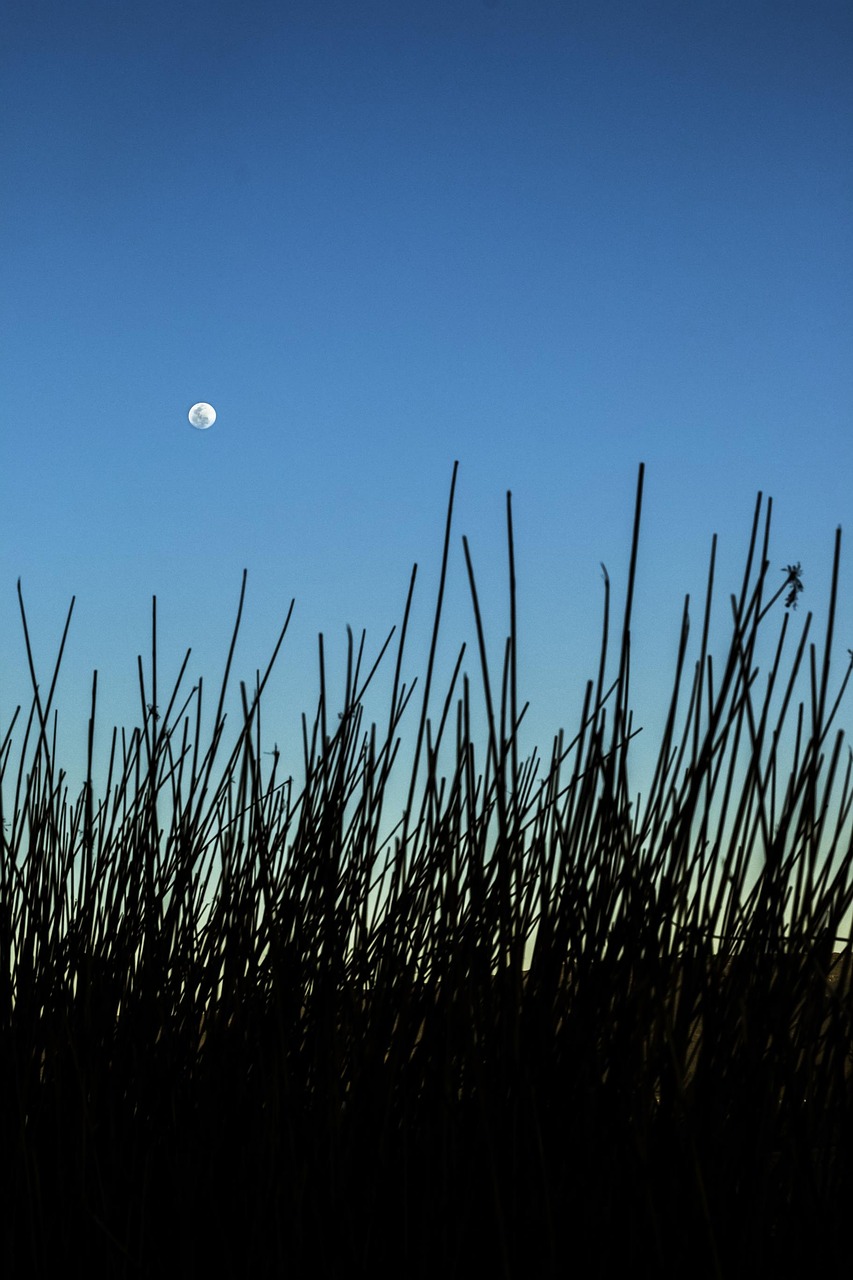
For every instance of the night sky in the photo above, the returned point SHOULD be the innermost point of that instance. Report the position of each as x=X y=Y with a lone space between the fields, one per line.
x=550 y=240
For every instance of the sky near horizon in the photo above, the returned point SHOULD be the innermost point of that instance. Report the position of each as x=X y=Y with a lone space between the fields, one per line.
x=550 y=240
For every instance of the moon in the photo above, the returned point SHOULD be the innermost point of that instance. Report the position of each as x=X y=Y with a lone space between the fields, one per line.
x=202 y=415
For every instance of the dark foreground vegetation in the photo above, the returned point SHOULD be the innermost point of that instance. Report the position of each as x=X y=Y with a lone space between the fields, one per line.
x=541 y=1027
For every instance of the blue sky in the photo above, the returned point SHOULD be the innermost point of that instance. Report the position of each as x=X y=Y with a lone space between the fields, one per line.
x=550 y=240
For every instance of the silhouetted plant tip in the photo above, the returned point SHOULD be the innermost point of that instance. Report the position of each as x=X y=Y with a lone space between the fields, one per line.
x=426 y=1007
x=794 y=581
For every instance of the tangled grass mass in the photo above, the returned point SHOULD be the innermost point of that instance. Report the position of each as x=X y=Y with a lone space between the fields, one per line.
x=527 y=1027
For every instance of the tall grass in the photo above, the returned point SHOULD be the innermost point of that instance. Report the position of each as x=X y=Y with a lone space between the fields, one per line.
x=528 y=1024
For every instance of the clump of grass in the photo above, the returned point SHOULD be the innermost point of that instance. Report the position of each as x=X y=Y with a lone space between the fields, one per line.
x=527 y=1024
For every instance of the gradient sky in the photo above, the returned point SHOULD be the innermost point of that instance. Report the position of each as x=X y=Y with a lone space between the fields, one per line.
x=548 y=239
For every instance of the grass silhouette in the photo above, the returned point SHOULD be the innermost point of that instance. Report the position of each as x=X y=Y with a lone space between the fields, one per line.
x=534 y=1028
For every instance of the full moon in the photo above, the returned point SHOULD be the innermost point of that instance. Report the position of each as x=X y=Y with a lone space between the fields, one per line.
x=202 y=415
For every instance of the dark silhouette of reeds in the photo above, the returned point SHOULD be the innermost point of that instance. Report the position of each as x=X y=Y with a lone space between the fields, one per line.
x=536 y=1028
